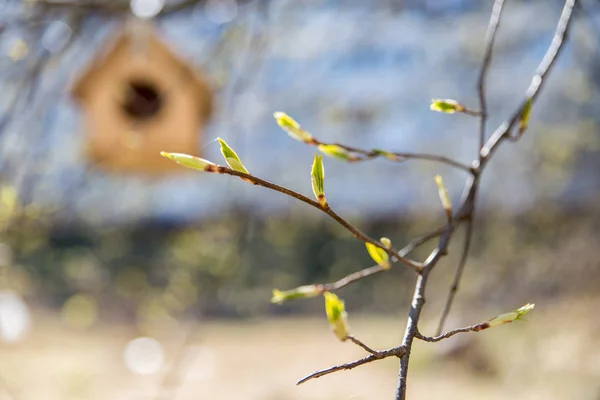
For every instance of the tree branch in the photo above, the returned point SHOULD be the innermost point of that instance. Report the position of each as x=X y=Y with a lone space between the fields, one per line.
x=361 y=344
x=417 y=267
x=457 y=276
x=490 y=37
x=473 y=328
x=471 y=187
x=396 y=351
x=364 y=155
x=411 y=329
x=537 y=82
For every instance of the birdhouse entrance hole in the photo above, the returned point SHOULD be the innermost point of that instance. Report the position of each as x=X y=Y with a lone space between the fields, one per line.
x=143 y=100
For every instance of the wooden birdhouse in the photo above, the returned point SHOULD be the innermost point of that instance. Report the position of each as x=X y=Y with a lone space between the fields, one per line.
x=139 y=98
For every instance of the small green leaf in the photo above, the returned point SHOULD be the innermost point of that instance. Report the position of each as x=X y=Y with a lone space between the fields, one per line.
x=511 y=316
x=301 y=292
x=337 y=316
x=379 y=255
x=444 y=198
x=232 y=158
x=335 y=151
x=188 y=161
x=525 y=115
x=318 y=180
x=447 y=106
x=292 y=128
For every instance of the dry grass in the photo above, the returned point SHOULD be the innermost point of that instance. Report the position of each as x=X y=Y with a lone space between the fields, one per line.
x=554 y=356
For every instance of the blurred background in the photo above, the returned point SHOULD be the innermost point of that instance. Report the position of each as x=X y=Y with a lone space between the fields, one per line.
x=124 y=278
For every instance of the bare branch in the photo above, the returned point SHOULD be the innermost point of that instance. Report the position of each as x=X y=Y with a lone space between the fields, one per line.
x=490 y=36
x=472 y=113
x=396 y=351
x=473 y=328
x=457 y=276
x=503 y=131
x=422 y=240
x=356 y=276
x=361 y=344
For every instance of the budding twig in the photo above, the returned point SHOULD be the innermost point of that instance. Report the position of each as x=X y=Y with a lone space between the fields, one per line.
x=473 y=328
x=375 y=269
x=364 y=155
x=464 y=212
x=417 y=267
x=354 y=154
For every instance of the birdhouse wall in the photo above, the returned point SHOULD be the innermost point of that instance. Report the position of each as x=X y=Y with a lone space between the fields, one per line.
x=118 y=141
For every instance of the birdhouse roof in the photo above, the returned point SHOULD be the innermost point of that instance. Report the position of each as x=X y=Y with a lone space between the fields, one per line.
x=124 y=38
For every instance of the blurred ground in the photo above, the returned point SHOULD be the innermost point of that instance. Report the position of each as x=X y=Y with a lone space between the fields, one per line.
x=554 y=355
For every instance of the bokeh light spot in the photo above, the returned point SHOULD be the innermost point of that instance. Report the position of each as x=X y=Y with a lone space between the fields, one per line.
x=15 y=320
x=146 y=8
x=143 y=356
x=56 y=36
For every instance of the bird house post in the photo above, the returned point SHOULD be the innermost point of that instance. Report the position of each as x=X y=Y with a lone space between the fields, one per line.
x=139 y=99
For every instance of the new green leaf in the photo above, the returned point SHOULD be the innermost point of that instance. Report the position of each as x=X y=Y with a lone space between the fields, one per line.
x=337 y=316
x=292 y=127
x=232 y=158
x=447 y=106
x=188 y=161
x=298 y=293
x=379 y=255
x=511 y=316
x=318 y=180
x=335 y=151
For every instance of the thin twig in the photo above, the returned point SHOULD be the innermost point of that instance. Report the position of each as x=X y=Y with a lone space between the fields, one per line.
x=396 y=351
x=472 y=113
x=364 y=155
x=457 y=276
x=417 y=267
x=361 y=344
x=473 y=328
x=422 y=240
x=353 y=277
x=490 y=37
